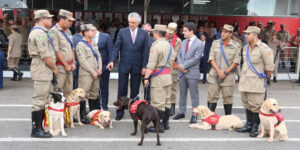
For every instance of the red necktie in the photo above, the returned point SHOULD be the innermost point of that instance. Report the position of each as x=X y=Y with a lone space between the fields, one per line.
x=187 y=46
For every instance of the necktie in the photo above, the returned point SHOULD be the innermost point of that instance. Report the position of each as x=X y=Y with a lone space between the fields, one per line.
x=133 y=37
x=187 y=46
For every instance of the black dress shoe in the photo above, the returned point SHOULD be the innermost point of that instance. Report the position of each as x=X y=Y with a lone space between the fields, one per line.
x=193 y=119
x=178 y=116
x=204 y=81
x=119 y=118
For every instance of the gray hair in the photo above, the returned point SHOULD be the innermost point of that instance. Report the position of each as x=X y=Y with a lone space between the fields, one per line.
x=146 y=24
x=135 y=15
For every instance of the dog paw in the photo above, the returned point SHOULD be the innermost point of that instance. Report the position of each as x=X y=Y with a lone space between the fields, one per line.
x=193 y=125
x=111 y=127
x=102 y=128
x=260 y=136
x=270 y=140
x=72 y=126
x=158 y=144
x=140 y=144
x=81 y=124
x=64 y=134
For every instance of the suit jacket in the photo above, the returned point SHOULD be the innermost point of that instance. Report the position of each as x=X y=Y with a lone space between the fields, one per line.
x=133 y=57
x=207 y=46
x=191 y=60
x=105 y=47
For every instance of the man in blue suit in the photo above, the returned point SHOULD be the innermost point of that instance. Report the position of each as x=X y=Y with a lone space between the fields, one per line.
x=105 y=47
x=204 y=66
x=133 y=44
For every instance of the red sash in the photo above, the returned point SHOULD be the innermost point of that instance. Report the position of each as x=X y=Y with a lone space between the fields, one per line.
x=68 y=62
x=165 y=71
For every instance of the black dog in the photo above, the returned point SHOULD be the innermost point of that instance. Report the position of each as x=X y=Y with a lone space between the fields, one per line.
x=144 y=112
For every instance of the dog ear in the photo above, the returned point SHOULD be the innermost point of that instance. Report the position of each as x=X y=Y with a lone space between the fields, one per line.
x=53 y=94
x=74 y=92
x=266 y=105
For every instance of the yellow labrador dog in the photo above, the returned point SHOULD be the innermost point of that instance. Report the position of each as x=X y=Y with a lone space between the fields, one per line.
x=100 y=118
x=73 y=102
x=271 y=121
x=210 y=120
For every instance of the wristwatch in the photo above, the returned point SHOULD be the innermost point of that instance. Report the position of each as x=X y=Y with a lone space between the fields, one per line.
x=145 y=78
x=226 y=73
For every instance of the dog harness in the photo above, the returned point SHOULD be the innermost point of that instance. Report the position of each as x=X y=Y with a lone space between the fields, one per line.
x=278 y=116
x=46 y=115
x=67 y=112
x=95 y=117
x=134 y=107
x=212 y=120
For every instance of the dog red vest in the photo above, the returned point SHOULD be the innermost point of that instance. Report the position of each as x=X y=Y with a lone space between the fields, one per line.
x=212 y=120
x=95 y=117
x=134 y=107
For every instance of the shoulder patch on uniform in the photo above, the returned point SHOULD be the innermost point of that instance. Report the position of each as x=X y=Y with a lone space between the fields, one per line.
x=152 y=51
x=79 y=51
x=51 y=33
x=42 y=38
x=269 y=53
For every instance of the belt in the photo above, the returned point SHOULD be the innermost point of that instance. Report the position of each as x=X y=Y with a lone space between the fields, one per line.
x=165 y=71
x=68 y=62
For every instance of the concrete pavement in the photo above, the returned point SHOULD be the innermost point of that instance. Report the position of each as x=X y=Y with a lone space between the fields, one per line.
x=15 y=125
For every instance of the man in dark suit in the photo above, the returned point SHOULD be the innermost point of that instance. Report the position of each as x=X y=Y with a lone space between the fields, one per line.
x=133 y=44
x=204 y=66
x=105 y=47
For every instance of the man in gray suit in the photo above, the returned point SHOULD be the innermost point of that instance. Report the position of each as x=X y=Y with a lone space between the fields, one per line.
x=188 y=60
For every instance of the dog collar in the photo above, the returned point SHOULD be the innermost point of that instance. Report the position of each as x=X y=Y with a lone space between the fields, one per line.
x=58 y=110
x=278 y=116
x=72 y=104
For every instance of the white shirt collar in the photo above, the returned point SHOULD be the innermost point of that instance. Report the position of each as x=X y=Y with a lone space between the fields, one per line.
x=135 y=31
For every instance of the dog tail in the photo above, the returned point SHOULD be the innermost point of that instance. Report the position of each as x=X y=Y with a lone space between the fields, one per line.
x=91 y=114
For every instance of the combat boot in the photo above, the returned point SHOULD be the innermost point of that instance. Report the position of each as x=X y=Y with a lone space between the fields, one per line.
x=248 y=125
x=255 y=123
x=228 y=109
x=37 y=129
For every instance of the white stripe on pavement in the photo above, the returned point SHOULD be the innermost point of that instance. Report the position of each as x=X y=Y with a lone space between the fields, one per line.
x=126 y=120
x=73 y=139
x=236 y=107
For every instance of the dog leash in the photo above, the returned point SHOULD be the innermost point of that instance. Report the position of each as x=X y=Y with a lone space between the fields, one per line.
x=141 y=92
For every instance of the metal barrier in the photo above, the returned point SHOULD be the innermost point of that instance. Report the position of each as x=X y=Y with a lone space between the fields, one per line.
x=289 y=60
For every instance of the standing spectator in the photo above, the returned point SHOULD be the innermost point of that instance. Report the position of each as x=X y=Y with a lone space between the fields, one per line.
x=133 y=44
x=188 y=60
x=105 y=48
x=204 y=66
x=283 y=36
x=236 y=27
x=112 y=30
x=3 y=45
x=14 y=52
x=296 y=42
x=213 y=31
x=6 y=25
x=276 y=46
x=266 y=35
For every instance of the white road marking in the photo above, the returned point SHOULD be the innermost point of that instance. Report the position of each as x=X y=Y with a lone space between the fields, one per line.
x=129 y=120
x=74 y=139
x=220 y=107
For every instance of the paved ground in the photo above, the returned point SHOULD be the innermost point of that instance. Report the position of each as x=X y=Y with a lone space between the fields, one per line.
x=15 y=125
